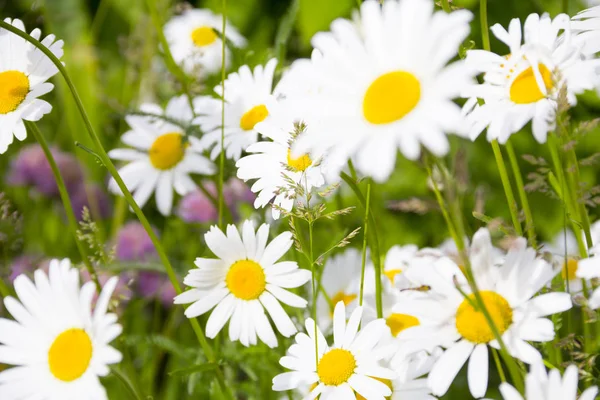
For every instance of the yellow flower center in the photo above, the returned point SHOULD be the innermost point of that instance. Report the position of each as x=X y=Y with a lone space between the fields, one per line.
x=570 y=269
x=341 y=296
x=471 y=323
x=253 y=117
x=246 y=280
x=167 y=151
x=204 y=36
x=399 y=322
x=390 y=97
x=70 y=355
x=299 y=164
x=387 y=382
x=391 y=274
x=336 y=367
x=525 y=90
x=14 y=86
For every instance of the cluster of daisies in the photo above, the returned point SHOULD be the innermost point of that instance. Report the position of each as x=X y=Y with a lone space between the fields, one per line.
x=387 y=80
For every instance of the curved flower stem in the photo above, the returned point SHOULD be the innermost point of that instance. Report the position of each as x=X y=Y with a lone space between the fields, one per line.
x=66 y=200
x=126 y=382
x=510 y=197
x=364 y=248
x=529 y=227
x=222 y=154
x=446 y=6
x=485 y=31
x=136 y=209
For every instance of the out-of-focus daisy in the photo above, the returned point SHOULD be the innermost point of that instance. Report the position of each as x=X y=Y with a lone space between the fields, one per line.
x=541 y=385
x=242 y=282
x=587 y=26
x=194 y=43
x=163 y=156
x=340 y=281
x=24 y=70
x=349 y=368
x=382 y=85
x=524 y=85
x=248 y=101
x=274 y=167
x=507 y=291
x=56 y=340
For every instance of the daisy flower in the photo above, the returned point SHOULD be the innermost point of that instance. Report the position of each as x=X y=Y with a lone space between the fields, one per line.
x=587 y=25
x=507 y=291
x=347 y=369
x=541 y=385
x=163 y=156
x=194 y=43
x=242 y=282
x=248 y=101
x=24 y=70
x=56 y=341
x=381 y=85
x=589 y=268
x=272 y=165
x=340 y=281
x=524 y=85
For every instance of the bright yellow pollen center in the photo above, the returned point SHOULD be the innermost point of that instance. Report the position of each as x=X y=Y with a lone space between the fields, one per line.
x=341 y=296
x=525 y=90
x=570 y=269
x=390 y=97
x=246 y=280
x=204 y=36
x=167 y=151
x=391 y=274
x=387 y=382
x=299 y=164
x=471 y=323
x=399 y=322
x=336 y=367
x=253 y=117
x=14 y=86
x=70 y=355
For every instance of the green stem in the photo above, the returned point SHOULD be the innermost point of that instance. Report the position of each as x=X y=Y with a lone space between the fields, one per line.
x=529 y=227
x=565 y=6
x=136 y=209
x=222 y=154
x=314 y=290
x=4 y=289
x=66 y=200
x=485 y=31
x=446 y=6
x=127 y=383
x=510 y=197
x=442 y=205
x=498 y=365
x=573 y=169
x=364 y=248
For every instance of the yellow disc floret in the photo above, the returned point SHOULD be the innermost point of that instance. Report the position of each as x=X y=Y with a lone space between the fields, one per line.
x=391 y=96
x=14 y=86
x=246 y=280
x=472 y=324
x=70 y=355
x=399 y=322
x=336 y=367
x=341 y=296
x=253 y=116
x=299 y=164
x=569 y=270
x=167 y=151
x=204 y=36
x=391 y=274
x=525 y=89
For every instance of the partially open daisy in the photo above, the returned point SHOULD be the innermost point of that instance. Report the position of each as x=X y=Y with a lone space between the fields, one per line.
x=587 y=26
x=24 y=70
x=541 y=385
x=524 y=85
x=381 y=85
x=58 y=344
x=194 y=43
x=507 y=291
x=340 y=281
x=242 y=282
x=271 y=163
x=163 y=157
x=248 y=100
x=343 y=371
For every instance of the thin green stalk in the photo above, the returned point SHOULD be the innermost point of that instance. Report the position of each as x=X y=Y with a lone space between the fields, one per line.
x=565 y=6
x=510 y=197
x=114 y=173
x=529 y=227
x=222 y=154
x=364 y=248
x=485 y=31
x=314 y=290
x=446 y=6
x=498 y=365
x=127 y=383
x=66 y=200
x=583 y=213
x=442 y=204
